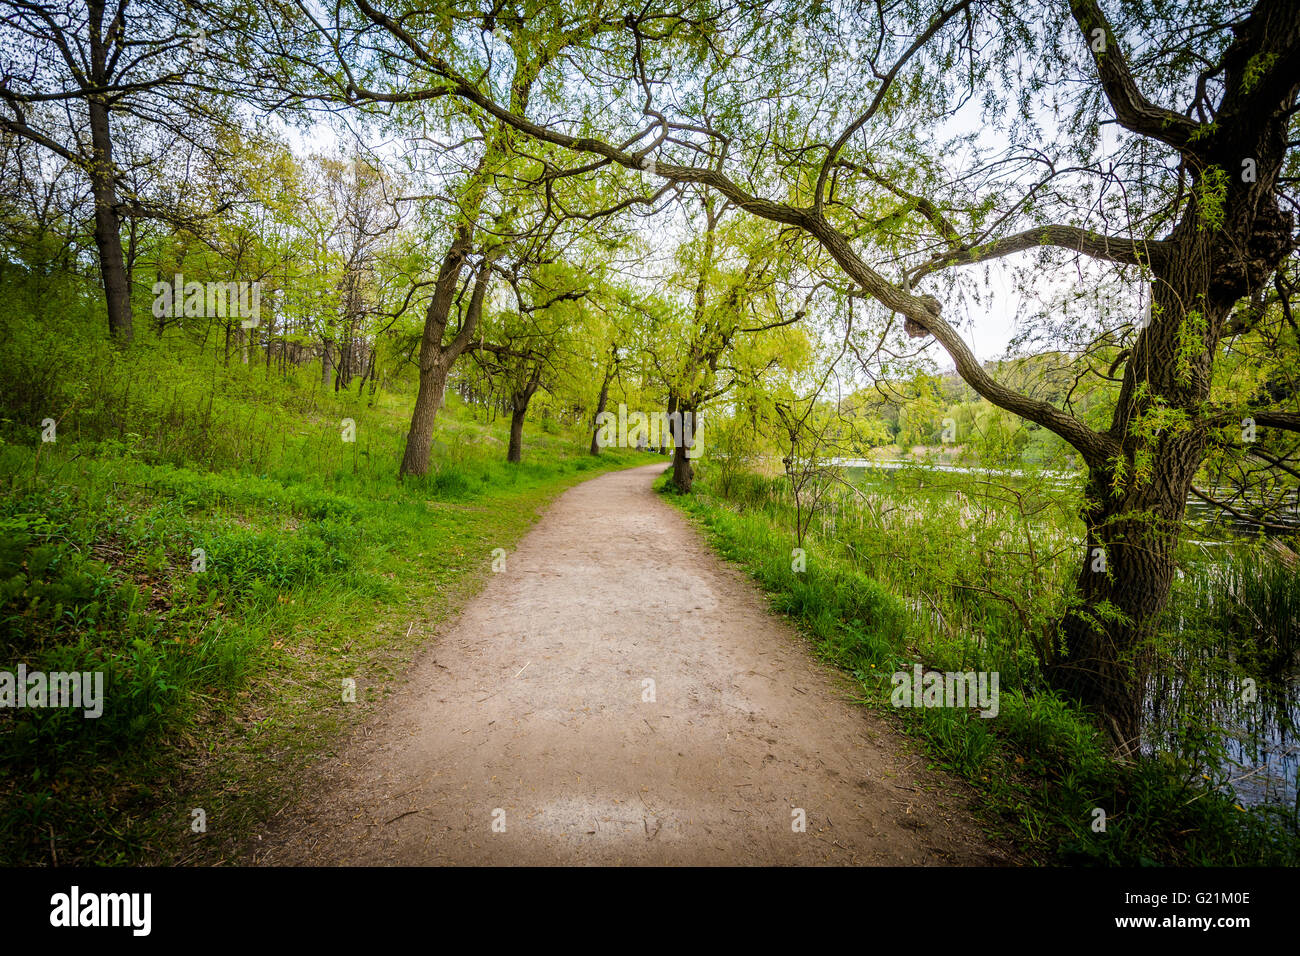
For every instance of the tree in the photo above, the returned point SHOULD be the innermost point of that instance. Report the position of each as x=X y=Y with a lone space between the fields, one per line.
x=1204 y=226
x=610 y=371
x=74 y=74
x=726 y=333
x=527 y=343
x=359 y=212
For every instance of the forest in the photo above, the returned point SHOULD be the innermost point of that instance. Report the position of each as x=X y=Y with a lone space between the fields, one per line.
x=963 y=328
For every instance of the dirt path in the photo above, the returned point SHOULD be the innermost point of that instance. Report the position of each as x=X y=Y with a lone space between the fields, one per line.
x=530 y=711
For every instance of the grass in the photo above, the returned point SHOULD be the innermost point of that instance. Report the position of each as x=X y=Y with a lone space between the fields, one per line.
x=205 y=538
x=1042 y=767
x=202 y=534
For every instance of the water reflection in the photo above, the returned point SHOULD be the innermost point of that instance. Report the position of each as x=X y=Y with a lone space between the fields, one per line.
x=1198 y=703
x=1245 y=739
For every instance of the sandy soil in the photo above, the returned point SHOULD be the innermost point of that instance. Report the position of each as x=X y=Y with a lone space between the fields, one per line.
x=526 y=733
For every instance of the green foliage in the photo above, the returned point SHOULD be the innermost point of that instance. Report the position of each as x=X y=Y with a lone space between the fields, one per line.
x=162 y=450
x=1256 y=67
x=1043 y=766
x=187 y=443
x=1211 y=191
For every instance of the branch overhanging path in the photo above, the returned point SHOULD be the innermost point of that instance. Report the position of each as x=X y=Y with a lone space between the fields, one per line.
x=923 y=312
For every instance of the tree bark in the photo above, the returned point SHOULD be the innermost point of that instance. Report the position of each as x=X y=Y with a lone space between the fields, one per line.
x=1121 y=589
x=683 y=473
x=108 y=225
x=437 y=359
x=600 y=405
x=515 y=453
x=519 y=411
x=433 y=382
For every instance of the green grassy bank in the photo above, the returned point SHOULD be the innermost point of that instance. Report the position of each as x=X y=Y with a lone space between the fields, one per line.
x=204 y=537
x=875 y=598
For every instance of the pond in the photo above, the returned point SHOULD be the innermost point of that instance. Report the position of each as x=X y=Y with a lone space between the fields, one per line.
x=1198 y=700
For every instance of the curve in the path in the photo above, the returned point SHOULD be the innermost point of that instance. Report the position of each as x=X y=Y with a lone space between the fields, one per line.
x=528 y=734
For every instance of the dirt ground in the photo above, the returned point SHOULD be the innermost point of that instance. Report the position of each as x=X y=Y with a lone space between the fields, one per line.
x=527 y=732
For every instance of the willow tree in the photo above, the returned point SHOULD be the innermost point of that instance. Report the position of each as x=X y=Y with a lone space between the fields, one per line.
x=523 y=350
x=508 y=50
x=837 y=123
x=733 y=328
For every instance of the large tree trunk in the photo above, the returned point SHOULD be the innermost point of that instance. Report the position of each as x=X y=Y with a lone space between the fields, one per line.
x=1135 y=502
x=108 y=226
x=600 y=409
x=519 y=411
x=433 y=383
x=1122 y=588
x=683 y=473
x=1134 y=505
x=515 y=452
x=436 y=359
